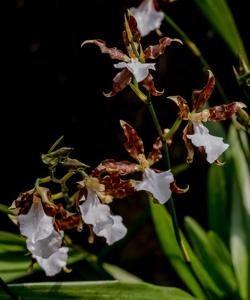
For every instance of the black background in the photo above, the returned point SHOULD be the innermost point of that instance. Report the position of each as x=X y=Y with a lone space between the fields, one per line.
x=53 y=87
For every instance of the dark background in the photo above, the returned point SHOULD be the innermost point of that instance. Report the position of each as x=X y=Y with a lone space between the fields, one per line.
x=53 y=87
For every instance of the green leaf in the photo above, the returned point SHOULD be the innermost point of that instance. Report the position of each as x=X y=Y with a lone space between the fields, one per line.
x=109 y=290
x=217 y=197
x=219 y=15
x=120 y=274
x=15 y=260
x=217 y=202
x=213 y=255
x=238 y=242
x=8 y=238
x=241 y=174
x=164 y=229
x=239 y=179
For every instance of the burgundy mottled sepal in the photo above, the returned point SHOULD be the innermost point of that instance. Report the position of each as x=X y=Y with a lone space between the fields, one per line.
x=156 y=50
x=117 y=187
x=120 y=81
x=183 y=106
x=134 y=144
x=111 y=166
x=224 y=111
x=155 y=155
x=114 y=53
x=199 y=97
x=189 y=146
x=175 y=189
x=149 y=85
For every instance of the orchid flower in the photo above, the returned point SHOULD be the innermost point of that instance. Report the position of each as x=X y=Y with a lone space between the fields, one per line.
x=148 y=16
x=214 y=146
x=99 y=216
x=43 y=240
x=195 y=133
x=133 y=65
x=159 y=184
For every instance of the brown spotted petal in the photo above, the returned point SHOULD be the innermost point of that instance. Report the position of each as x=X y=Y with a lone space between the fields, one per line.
x=175 y=189
x=112 y=166
x=70 y=222
x=155 y=155
x=199 y=97
x=156 y=50
x=133 y=31
x=23 y=203
x=114 y=53
x=182 y=104
x=117 y=187
x=149 y=85
x=224 y=111
x=120 y=81
x=189 y=146
x=134 y=144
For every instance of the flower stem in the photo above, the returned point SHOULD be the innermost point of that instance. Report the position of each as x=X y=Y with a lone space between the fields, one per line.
x=170 y=203
x=173 y=129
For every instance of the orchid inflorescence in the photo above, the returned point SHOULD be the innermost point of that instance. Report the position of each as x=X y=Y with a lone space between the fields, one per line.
x=43 y=213
x=43 y=216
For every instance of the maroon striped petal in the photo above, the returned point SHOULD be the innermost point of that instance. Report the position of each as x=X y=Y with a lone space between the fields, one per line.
x=120 y=81
x=156 y=50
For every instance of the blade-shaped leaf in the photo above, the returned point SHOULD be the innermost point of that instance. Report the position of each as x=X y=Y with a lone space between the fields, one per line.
x=238 y=242
x=217 y=202
x=120 y=274
x=242 y=173
x=239 y=185
x=213 y=255
x=218 y=13
x=110 y=290
x=164 y=229
x=15 y=263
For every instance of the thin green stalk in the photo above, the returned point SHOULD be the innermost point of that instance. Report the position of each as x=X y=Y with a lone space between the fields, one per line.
x=196 y=51
x=173 y=129
x=170 y=203
x=43 y=180
x=7 y=290
x=4 y=209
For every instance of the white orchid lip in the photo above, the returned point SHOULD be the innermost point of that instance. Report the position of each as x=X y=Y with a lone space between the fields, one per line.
x=53 y=264
x=213 y=145
x=158 y=184
x=99 y=216
x=147 y=17
x=139 y=70
x=43 y=241
x=36 y=225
